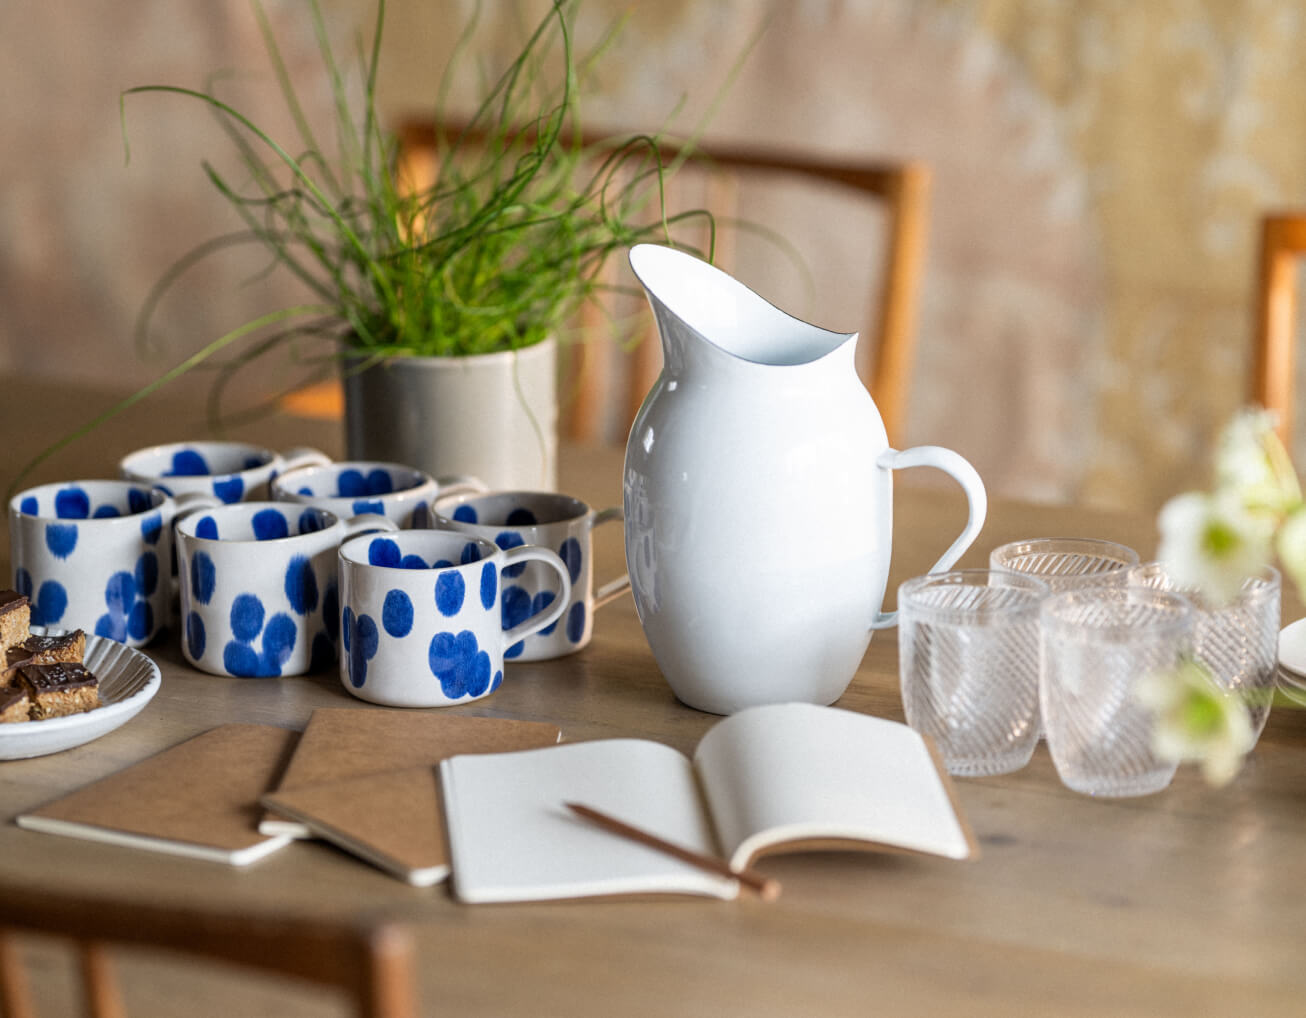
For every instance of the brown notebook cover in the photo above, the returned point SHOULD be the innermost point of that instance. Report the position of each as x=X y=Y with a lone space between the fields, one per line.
x=200 y=798
x=394 y=820
x=342 y=743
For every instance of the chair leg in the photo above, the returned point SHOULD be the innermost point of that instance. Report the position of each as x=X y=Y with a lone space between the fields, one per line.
x=15 y=995
x=103 y=999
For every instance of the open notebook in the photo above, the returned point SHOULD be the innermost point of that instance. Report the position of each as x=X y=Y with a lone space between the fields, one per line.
x=781 y=778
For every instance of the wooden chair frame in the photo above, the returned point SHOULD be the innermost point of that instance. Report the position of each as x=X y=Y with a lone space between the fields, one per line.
x=885 y=352
x=1274 y=359
x=370 y=960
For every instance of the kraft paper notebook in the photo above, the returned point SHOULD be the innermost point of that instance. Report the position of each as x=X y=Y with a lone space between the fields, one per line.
x=364 y=779
x=783 y=778
x=200 y=798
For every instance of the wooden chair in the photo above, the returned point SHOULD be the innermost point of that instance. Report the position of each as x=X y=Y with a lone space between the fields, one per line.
x=1283 y=242
x=887 y=341
x=372 y=961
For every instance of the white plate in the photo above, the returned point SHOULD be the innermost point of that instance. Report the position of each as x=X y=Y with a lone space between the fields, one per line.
x=128 y=679
x=1292 y=647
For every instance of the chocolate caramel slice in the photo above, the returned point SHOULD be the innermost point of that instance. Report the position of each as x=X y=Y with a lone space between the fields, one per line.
x=59 y=689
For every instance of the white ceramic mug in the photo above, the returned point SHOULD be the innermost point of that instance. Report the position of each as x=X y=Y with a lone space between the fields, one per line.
x=259 y=592
x=231 y=471
x=90 y=555
x=547 y=520
x=422 y=624
x=402 y=493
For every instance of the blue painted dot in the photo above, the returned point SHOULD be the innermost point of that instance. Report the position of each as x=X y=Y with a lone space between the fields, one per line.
x=206 y=527
x=140 y=623
x=187 y=463
x=72 y=504
x=379 y=482
x=351 y=484
x=364 y=642
x=278 y=643
x=449 y=593
x=489 y=585
x=138 y=500
x=105 y=512
x=515 y=608
x=301 y=585
x=570 y=554
x=246 y=617
x=147 y=574
x=61 y=538
x=471 y=553
x=305 y=490
x=511 y=539
x=465 y=514
x=203 y=577
x=576 y=622
x=270 y=525
x=367 y=505
x=421 y=516
x=50 y=604
x=397 y=613
x=413 y=562
x=152 y=528
x=230 y=489
x=309 y=522
x=458 y=662
x=382 y=551
x=521 y=517
x=257 y=460
x=23 y=582
x=347 y=626
x=29 y=506
x=240 y=659
x=498 y=680
x=195 y=637
x=120 y=592
x=539 y=603
x=111 y=627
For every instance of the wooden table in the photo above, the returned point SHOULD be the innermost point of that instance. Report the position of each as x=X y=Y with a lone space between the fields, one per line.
x=1187 y=902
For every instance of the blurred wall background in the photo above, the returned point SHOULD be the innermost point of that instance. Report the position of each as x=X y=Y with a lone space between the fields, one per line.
x=1098 y=172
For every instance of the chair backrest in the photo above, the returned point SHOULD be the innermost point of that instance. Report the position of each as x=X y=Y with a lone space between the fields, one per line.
x=886 y=345
x=1283 y=242
x=370 y=960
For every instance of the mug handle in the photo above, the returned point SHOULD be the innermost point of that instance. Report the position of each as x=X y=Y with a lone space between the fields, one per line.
x=365 y=523
x=956 y=467
x=303 y=456
x=528 y=553
x=460 y=484
x=613 y=589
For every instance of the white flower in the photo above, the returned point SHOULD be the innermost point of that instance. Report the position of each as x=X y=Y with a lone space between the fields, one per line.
x=1213 y=543
x=1251 y=460
x=1196 y=720
x=1291 y=546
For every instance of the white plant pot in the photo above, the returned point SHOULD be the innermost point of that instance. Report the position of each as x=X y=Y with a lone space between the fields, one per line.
x=493 y=416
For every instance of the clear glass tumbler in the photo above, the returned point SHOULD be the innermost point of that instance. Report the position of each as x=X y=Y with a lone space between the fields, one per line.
x=1238 y=641
x=1097 y=643
x=1067 y=563
x=968 y=664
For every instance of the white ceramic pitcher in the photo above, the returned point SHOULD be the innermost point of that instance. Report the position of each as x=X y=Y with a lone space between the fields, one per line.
x=758 y=496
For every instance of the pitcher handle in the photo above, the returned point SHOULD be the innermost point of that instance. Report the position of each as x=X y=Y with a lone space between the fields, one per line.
x=302 y=456
x=613 y=589
x=963 y=473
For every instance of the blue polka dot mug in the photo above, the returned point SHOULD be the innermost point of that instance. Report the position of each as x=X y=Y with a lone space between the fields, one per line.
x=404 y=494
x=547 y=520
x=422 y=622
x=259 y=589
x=230 y=471
x=89 y=555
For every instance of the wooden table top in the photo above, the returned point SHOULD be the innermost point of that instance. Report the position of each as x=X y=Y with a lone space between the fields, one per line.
x=1185 y=902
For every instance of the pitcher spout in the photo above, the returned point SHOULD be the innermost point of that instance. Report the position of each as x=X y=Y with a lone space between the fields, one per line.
x=695 y=302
